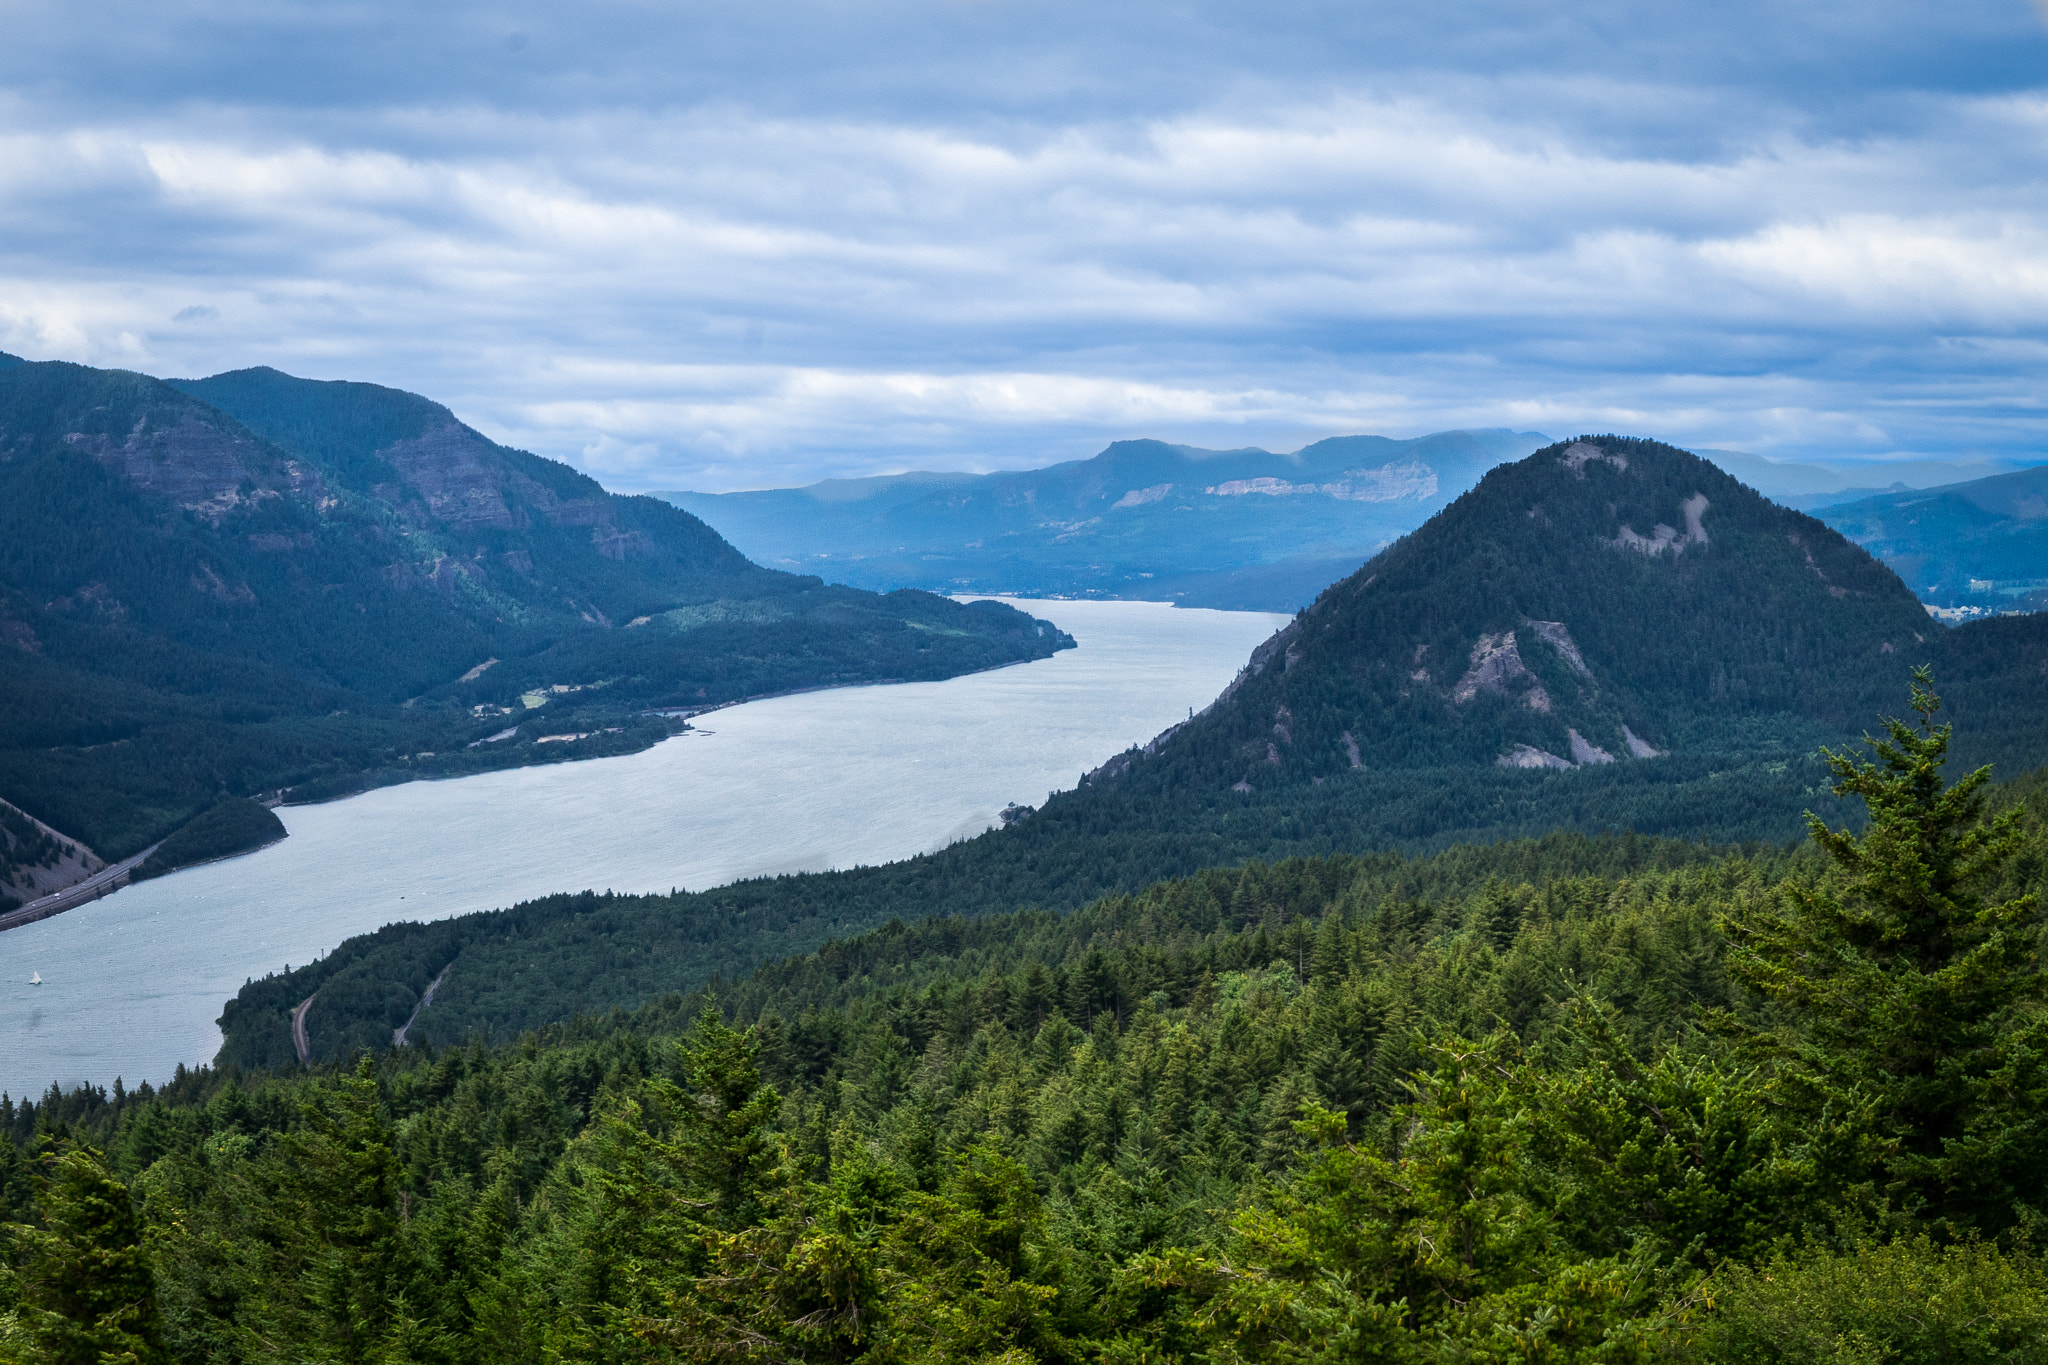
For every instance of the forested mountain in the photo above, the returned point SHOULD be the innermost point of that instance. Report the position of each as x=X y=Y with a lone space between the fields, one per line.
x=1982 y=543
x=1609 y=634
x=1579 y=1100
x=221 y=587
x=1238 y=529
x=1603 y=601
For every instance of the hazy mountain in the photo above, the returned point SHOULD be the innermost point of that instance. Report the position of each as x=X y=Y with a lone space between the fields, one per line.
x=1144 y=519
x=1807 y=486
x=1982 y=543
x=223 y=586
x=1609 y=634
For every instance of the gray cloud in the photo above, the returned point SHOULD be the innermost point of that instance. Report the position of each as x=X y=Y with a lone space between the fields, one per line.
x=680 y=246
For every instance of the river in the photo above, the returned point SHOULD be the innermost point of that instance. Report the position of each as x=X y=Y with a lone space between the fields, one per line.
x=133 y=983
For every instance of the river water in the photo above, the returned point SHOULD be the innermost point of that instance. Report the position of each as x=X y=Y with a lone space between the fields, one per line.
x=133 y=983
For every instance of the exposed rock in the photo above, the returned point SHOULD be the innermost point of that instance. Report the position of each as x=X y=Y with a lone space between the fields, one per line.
x=1497 y=667
x=193 y=463
x=44 y=861
x=1138 y=497
x=1558 y=638
x=1640 y=748
x=1388 y=483
x=1664 y=537
x=1579 y=454
x=1529 y=756
x=1351 y=748
x=1585 y=752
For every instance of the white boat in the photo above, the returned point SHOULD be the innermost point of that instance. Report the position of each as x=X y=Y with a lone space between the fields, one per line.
x=36 y=980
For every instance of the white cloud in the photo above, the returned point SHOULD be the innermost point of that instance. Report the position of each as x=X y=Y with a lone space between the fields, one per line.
x=719 y=283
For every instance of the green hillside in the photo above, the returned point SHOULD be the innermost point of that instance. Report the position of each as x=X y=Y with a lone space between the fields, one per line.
x=1578 y=1099
x=223 y=587
x=1735 y=658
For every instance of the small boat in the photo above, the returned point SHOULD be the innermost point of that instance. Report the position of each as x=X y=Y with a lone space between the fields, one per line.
x=36 y=980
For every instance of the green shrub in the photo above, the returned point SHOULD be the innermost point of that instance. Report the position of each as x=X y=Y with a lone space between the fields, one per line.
x=1896 y=1303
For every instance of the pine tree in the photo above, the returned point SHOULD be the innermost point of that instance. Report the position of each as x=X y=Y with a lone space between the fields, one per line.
x=87 y=1287
x=1903 y=979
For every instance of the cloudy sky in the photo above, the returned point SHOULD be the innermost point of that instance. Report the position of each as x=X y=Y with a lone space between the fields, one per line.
x=739 y=245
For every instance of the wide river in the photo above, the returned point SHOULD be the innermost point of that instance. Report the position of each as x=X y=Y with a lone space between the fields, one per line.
x=133 y=984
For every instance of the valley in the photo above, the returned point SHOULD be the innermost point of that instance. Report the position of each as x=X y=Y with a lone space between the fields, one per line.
x=842 y=778
x=1523 y=846
x=221 y=589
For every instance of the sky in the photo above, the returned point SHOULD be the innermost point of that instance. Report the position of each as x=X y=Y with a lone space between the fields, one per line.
x=718 y=246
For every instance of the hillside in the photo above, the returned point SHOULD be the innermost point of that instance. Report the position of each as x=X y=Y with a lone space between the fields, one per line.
x=1255 y=1116
x=1237 y=529
x=1978 y=544
x=1430 y=699
x=350 y=586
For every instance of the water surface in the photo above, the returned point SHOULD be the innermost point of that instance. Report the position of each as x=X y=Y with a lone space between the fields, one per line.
x=133 y=983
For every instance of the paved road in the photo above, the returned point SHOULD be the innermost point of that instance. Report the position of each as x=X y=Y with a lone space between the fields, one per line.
x=300 y=1042
x=107 y=879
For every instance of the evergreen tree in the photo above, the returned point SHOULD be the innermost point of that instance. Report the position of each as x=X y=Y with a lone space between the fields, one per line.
x=1905 y=979
x=88 y=1297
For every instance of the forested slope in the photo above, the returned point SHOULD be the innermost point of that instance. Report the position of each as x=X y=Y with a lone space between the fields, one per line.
x=1579 y=1099
x=352 y=587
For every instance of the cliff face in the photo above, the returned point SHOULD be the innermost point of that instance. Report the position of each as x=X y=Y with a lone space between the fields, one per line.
x=479 y=514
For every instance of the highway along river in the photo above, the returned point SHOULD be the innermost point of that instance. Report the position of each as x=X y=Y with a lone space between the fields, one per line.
x=132 y=984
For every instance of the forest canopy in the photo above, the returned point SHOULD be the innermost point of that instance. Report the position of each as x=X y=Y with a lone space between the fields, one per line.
x=1601 y=1099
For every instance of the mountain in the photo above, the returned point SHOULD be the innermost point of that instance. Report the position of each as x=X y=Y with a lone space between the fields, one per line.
x=217 y=588
x=1983 y=543
x=1243 y=529
x=1610 y=634
x=1810 y=486
x=1609 y=600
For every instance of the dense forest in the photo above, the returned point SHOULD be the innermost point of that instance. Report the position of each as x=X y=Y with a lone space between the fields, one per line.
x=1603 y=1099
x=221 y=588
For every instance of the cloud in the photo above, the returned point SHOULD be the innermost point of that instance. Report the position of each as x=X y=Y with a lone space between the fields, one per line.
x=687 y=248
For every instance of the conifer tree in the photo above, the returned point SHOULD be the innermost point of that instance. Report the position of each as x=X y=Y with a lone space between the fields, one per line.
x=86 y=1284
x=1906 y=980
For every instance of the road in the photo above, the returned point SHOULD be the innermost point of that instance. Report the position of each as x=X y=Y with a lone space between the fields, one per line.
x=299 y=1039
x=111 y=878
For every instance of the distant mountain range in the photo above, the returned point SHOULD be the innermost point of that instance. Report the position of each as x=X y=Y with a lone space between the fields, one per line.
x=1244 y=529
x=1981 y=545
x=218 y=588
x=1608 y=634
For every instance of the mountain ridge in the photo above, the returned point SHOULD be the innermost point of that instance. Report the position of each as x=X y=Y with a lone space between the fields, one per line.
x=1245 y=528
x=192 y=608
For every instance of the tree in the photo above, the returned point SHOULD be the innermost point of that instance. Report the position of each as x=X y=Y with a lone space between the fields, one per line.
x=86 y=1284
x=1904 y=980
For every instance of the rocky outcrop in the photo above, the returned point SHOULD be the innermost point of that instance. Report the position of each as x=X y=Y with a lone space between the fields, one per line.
x=1558 y=638
x=1585 y=752
x=1529 y=756
x=1497 y=667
